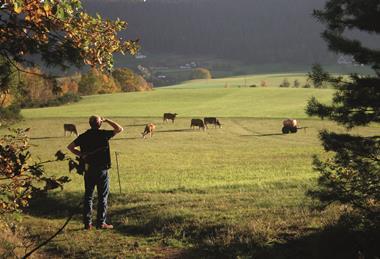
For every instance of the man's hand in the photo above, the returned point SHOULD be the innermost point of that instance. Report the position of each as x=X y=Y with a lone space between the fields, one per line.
x=116 y=127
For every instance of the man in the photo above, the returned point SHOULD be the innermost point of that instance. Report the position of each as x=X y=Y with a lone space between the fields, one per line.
x=95 y=151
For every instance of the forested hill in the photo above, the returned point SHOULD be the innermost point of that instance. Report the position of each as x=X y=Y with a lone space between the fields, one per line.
x=254 y=31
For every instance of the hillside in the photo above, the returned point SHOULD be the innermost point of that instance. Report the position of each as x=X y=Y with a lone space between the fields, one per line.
x=227 y=97
x=254 y=32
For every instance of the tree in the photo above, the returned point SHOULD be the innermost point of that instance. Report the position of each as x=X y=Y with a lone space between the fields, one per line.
x=318 y=76
x=352 y=175
x=96 y=82
x=296 y=83
x=60 y=33
x=20 y=177
x=200 y=73
x=130 y=81
x=56 y=33
x=36 y=89
x=285 y=83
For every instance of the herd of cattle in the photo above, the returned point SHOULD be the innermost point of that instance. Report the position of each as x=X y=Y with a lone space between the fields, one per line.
x=150 y=127
x=289 y=125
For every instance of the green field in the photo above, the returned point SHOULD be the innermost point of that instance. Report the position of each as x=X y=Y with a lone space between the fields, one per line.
x=195 y=98
x=238 y=191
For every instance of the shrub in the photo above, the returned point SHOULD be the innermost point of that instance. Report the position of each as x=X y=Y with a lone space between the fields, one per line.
x=10 y=114
x=69 y=86
x=285 y=83
x=95 y=82
x=200 y=73
x=130 y=81
x=307 y=85
x=296 y=83
x=22 y=177
x=35 y=88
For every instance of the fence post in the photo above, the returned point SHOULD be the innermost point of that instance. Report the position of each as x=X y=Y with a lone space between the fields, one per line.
x=118 y=173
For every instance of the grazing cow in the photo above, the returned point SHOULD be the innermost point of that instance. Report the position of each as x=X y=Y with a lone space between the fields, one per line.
x=169 y=116
x=212 y=120
x=149 y=128
x=70 y=128
x=197 y=123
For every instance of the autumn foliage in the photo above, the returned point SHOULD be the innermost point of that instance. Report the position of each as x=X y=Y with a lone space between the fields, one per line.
x=130 y=81
x=60 y=33
x=20 y=177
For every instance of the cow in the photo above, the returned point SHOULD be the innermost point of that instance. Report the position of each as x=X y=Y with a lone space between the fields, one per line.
x=70 y=128
x=149 y=128
x=169 y=116
x=212 y=120
x=197 y=123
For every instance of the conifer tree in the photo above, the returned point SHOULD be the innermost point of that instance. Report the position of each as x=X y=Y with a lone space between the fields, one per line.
x=352 y=175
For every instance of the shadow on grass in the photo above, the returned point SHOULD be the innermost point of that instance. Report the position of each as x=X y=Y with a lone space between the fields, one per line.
x=262 y=135
x=56 y=205
x=216 y=240
x=174 y=130
x=136 y=125
x=57 y=137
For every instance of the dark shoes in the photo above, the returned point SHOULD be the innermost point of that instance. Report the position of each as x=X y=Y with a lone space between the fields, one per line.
x=102 y=226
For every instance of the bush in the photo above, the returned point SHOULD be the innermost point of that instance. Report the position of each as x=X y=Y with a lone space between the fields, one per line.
x=296 y=83
x=285 y=83
x=95 y=82
x=10 y=114
x=307 y=85
x=130 y=81
x=69 y=85
x=22 y=177
x=200 y=73
x=35 y=88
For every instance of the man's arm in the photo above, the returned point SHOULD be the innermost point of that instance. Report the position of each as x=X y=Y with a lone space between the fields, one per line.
x=73 y=149
x=116 y=127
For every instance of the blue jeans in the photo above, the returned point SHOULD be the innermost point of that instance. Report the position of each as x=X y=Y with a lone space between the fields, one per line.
x=99 y=178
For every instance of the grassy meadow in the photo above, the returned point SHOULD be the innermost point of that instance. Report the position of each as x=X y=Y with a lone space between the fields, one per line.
x=234 y=192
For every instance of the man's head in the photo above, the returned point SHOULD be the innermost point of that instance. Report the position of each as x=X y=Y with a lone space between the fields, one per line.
x=95 y=122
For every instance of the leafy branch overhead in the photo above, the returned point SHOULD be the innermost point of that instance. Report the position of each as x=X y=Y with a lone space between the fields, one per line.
x=60 y=33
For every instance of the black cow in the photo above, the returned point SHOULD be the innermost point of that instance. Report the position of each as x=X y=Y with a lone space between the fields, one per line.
x=197 y=123
x=212 y=120
x=169 y=116
x=70 y=128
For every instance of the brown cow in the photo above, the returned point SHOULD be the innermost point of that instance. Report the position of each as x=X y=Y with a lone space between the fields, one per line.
x=212 y=120
x=197 y=123
x=70 y=128
x=149 y=128
x=169 y=116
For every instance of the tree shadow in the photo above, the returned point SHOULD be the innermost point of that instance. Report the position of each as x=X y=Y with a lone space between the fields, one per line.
x=56 y=137
x=216 y=240
x=263 y=135
x=136 y=125
x=55 y=205
x=126 y=138
x=174 y=130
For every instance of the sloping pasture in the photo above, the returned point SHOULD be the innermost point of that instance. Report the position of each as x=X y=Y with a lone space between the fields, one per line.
x=188 y=193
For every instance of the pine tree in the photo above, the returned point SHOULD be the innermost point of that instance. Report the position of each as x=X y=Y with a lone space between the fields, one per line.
x=352 y=175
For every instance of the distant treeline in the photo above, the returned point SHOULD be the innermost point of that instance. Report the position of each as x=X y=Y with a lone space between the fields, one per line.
x=253 y=31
